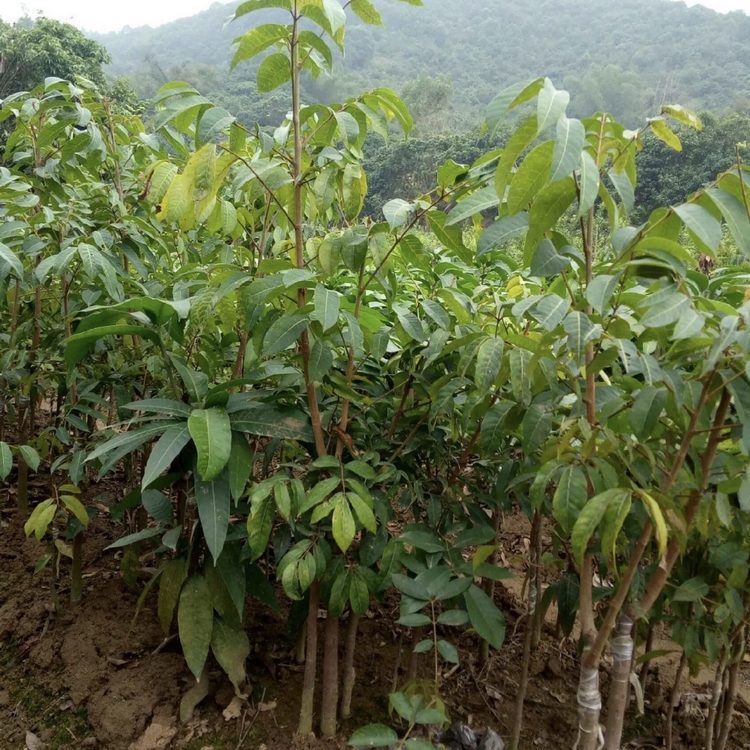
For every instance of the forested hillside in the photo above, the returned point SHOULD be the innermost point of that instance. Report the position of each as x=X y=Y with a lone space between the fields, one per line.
x=624 y=57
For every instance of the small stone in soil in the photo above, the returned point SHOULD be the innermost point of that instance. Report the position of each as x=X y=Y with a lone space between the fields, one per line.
x=491 y=741
x=461 y=737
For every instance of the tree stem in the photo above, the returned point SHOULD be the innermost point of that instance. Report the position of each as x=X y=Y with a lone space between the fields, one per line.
x=330 y=677
x=349 y=673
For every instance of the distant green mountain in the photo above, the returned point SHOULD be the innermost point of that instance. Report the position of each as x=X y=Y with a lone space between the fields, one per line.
x=625 y=57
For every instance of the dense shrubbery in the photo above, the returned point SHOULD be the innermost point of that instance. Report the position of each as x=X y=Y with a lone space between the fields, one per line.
x=203 y=306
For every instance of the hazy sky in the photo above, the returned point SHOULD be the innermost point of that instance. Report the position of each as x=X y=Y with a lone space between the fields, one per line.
x=100 y=15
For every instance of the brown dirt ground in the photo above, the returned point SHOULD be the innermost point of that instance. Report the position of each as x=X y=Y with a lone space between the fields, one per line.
x=88 y=677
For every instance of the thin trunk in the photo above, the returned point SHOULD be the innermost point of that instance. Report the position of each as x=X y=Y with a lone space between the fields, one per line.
x=589 y=696
x=330 y=677
x=416 y=637
x=716 y=693
x=349 y=673
x=674 y=699
x=589 y=708
x=76 y=572
x=22 y=497
x=622 y=657
x=311 y=663
x=54 y=558
x=531 y=618
x=299 y=646
x=489 y=589
x=731 y=694
x=535 y=585
x=646 y=666
x=397 y=666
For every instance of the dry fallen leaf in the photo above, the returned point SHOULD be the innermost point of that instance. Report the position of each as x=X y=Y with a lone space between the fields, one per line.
x=233 y=710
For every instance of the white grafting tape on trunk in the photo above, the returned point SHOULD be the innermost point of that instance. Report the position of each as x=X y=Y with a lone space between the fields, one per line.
x=589 y=706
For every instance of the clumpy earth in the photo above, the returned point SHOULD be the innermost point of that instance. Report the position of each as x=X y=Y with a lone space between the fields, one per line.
x=95 y=675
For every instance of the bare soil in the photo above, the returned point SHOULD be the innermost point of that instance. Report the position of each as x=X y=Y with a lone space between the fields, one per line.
x=90 y=676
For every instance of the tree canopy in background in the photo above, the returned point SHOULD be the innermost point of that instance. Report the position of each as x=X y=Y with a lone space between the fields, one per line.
x=32 y=51
x=626 y=58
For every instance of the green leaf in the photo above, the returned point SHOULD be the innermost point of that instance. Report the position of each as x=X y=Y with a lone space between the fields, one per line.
x=551 y=106
x=139 y=536
x=403 y=705
x=344 y=527
x=274 y=71
x=432 y=716
x=614 y=517
x=411 y=588
x=414 y=621
x=273 y=421
x=589 y=518
x=211 y=431
x=570 y=497
x=321 y=361
x=700 y=221
x=258 y=39
x=240 y=465
x=326 y=307
x=231 y=648
x=492 y=432
x=9 y=257
x=196 y=382
x=588 y=182
x=550 y=311
x=473 y=204
x=448 y=651
x=453 y=617
x=78 y=345
x=691 y=591
x=511 y=97
x=397 y=212
x=167 y=448
x=600 y=291
x=284 y=332
x=359 y=594
x=669 y=310
x=646 y=411
x=663 y=132
x=373 y=735
x=367 y=12
x=75 y=506
x=170 y=585
x=735 y=216
x=40 y=519
x=436 y=312
x=318 y=494
x=412 y=325
x=363 y=512
x=489 y=358
x=195 y=619
x=213 y=500
x=30 y=456
x=581 y=332
x=502 y=231
x=531 y=177
x=6 y=460
x=547 y=261
x=160 y=406
x=260 y=524
x=484 y=616
x=536 y=427
x=569 y=143
x=550 y=205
